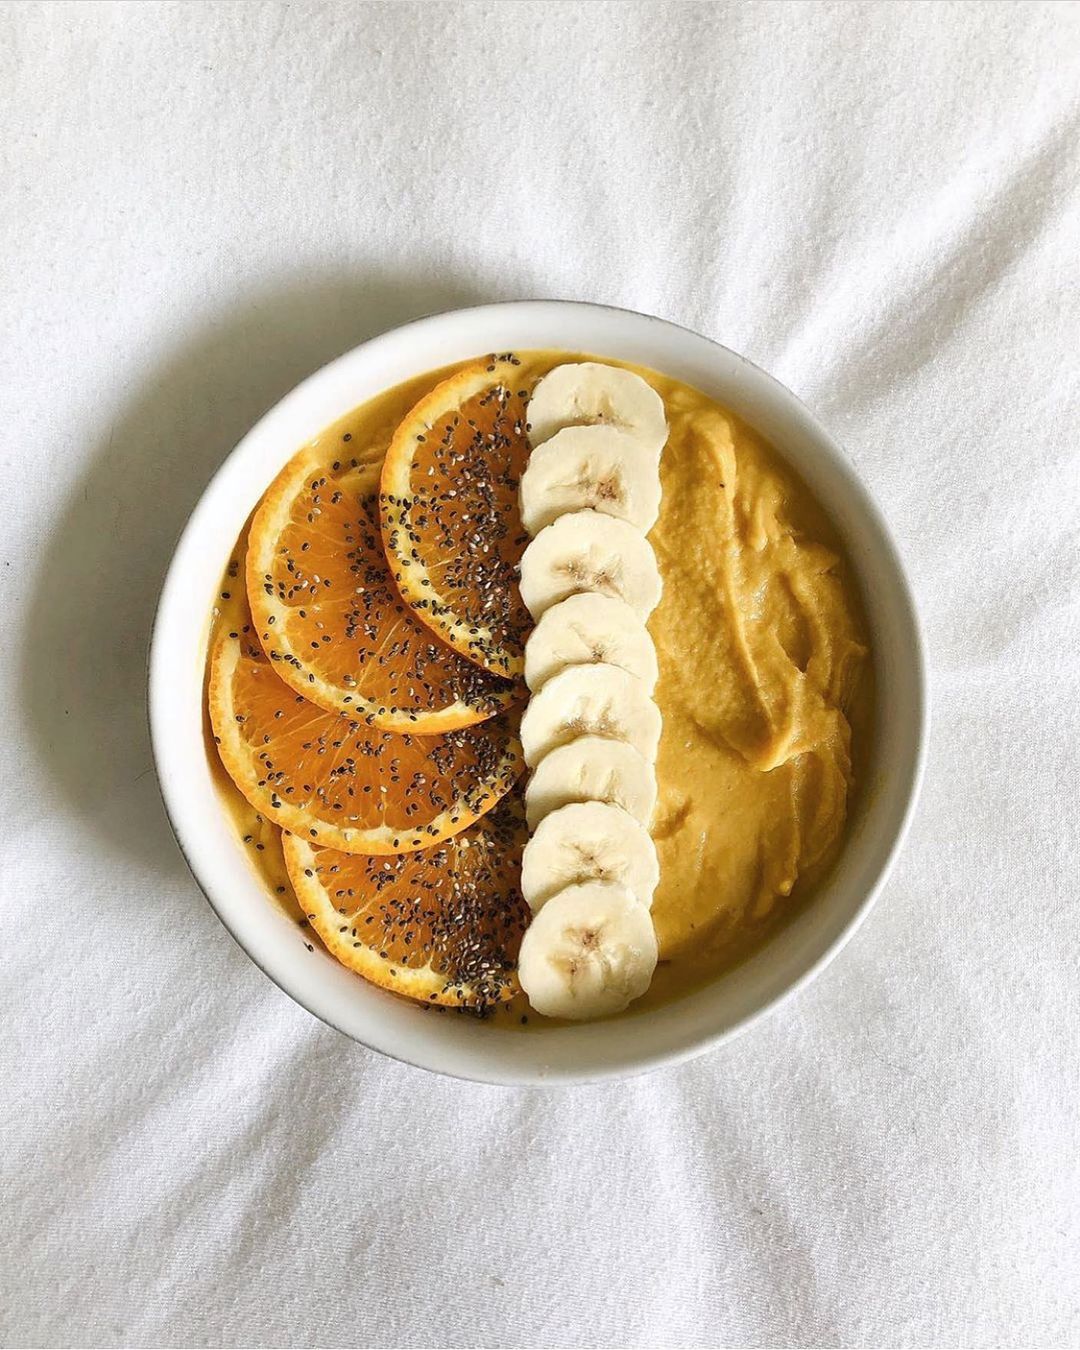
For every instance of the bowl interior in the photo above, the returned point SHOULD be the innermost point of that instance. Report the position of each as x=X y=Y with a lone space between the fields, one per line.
x=451 y=1043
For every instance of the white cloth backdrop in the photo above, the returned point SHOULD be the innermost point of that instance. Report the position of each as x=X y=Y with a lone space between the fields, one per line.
x=201 y=203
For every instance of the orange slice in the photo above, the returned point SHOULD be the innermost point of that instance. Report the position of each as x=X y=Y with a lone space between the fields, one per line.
x=442 y=925
x=450 y=518
x=338 y=781
x=330 y=618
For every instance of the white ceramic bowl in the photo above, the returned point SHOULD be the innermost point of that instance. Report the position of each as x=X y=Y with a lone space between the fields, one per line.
x=454 y=1044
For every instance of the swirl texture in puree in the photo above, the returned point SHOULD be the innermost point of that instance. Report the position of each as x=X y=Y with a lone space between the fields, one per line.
x=764 y=672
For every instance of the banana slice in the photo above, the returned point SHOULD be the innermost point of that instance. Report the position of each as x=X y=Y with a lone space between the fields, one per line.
x=589 y=952
x=589 y=841
x=598 y=467
x=588 y=551
x=586 y=628
x=586 y=393
x=592 y=768
x=598 y=700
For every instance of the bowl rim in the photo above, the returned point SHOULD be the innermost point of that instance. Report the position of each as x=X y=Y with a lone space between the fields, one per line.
x=625 y=1067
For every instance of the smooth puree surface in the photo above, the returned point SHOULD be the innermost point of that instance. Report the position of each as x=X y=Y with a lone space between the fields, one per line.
x=764 y=673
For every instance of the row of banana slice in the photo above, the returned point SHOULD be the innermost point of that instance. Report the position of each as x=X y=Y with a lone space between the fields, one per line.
x=589 y=495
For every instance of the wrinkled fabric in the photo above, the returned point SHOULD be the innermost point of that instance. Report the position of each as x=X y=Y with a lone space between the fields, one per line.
x=200 y=204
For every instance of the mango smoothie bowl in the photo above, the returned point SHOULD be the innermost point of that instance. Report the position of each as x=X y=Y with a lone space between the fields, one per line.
x=542 y=705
